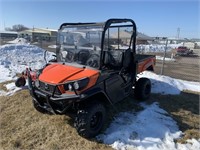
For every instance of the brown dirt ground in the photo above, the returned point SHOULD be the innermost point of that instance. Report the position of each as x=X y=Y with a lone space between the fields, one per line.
x=184 y=67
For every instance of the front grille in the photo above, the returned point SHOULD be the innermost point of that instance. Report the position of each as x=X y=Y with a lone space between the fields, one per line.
x=49 y=88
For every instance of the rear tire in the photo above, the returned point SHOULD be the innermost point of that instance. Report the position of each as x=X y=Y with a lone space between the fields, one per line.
x=89 y=120
x=143 y=89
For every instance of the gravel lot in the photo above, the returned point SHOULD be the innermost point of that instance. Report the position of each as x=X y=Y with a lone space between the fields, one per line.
x=184 y=67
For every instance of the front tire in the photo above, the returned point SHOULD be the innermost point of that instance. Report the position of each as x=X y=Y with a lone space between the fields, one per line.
x=143 y=89
x=38 y=108
x=89 y=120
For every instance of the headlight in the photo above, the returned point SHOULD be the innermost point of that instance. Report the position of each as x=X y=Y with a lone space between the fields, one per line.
x=77 y=85
x=37 y=84
x=69 y=87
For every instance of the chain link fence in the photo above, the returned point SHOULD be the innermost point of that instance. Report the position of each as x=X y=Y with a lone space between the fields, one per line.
x=168 y=63
x=47 y=45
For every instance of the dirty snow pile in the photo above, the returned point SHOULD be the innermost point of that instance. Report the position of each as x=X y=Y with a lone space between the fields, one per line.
x=14 y=58
x=18 y=41
x=156 y=47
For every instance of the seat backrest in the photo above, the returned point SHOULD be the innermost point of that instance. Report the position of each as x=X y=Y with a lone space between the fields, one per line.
x=127 y=58
x=113 y=58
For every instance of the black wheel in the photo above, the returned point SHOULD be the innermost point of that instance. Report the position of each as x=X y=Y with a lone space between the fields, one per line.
x=143 y=89
x=89 y=121
x=38 y=108
x=21 y=81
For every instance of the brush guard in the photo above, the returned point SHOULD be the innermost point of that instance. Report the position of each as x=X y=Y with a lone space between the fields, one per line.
x=56 y=104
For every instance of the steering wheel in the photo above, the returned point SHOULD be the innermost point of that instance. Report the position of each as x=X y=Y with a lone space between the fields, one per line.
x=82 y=56
x=93 y=61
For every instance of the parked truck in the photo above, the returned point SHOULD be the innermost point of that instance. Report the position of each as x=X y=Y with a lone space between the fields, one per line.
x=92 y=69
x=183 y=51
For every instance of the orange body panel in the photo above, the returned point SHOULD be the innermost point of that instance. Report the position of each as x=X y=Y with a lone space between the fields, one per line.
x=142 y=66
x=59 y=73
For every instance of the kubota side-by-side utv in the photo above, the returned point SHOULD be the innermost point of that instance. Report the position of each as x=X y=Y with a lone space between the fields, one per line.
x=96 y=65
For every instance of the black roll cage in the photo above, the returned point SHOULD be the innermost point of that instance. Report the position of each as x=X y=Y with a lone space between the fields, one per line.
x=107 y=25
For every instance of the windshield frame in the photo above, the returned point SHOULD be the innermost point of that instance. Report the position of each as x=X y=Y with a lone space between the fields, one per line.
x=80 y=31
x=113 y=22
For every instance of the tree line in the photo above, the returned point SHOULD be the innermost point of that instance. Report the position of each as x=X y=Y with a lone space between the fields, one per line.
x=17 y=28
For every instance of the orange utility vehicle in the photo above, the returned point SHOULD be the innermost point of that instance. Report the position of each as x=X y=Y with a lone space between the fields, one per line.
x=96 y=65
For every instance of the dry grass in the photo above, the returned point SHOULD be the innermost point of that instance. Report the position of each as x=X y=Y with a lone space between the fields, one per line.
x=22 y=127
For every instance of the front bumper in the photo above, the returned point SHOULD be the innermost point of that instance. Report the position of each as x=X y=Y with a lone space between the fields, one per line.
x=56 y=104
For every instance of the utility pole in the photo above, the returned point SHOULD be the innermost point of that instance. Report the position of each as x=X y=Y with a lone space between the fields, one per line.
x=166 y=43
x=178 y=32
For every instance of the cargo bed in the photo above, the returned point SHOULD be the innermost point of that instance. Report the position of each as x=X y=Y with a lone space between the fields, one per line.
x=141 y=57
x=145 y=62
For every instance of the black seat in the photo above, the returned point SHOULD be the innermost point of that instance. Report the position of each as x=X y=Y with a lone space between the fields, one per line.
x=125 y=72
x=113 y=59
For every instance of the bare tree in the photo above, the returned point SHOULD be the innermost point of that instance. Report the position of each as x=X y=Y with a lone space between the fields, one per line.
x=17 y=28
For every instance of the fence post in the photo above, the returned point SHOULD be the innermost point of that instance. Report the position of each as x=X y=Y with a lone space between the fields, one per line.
x=163 y=62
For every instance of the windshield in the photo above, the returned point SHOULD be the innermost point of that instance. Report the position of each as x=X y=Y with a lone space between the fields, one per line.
x=80 y=44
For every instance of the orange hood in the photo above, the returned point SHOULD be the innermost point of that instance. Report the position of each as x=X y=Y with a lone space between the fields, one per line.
x=59 y=73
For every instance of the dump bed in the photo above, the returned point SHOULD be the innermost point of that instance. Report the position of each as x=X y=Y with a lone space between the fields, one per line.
x=145 y=62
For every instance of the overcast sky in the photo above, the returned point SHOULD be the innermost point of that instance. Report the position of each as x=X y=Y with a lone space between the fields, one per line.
x=152 y=17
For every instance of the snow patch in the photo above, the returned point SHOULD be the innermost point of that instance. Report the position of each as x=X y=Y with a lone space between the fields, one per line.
x=151 y=129
x=52 y=46
x=166 y=59
x=6 y=74
x=167 y=85
x=11 y=89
